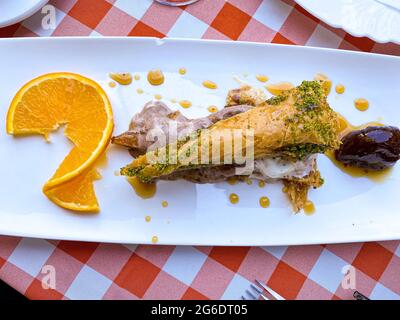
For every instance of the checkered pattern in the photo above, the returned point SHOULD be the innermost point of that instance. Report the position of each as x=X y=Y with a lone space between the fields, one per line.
x=106 y=271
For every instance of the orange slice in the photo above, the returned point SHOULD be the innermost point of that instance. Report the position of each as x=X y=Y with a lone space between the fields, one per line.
x=49 y=101
x=76 y=194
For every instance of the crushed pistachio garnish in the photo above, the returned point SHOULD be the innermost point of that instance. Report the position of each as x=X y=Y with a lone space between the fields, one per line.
x=301 y=151
x=310 y=95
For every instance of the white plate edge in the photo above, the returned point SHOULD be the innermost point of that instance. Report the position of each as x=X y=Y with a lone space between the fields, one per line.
x=222 y=42
x=24 y=15
x=348 y=30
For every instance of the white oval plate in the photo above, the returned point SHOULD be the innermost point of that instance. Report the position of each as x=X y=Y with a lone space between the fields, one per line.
x=348 y=209
x=13 y=11
x=378 y=20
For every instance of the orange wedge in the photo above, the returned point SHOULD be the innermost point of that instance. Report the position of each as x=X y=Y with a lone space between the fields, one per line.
x=76 y=194
x=49 y=101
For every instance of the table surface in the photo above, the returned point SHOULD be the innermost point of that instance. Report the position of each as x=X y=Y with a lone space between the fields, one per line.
x=108 y=271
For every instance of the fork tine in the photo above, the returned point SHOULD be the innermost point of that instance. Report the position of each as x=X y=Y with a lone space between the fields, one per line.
x=256 y=289
x=270 y=291
x=264 y=297
x=243 y=298
x=251 y=295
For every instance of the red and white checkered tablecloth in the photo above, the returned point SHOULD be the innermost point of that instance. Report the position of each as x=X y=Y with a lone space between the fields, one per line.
x=108 y=271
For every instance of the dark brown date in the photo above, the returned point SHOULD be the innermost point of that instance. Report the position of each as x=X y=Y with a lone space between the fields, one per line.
x=372 y=148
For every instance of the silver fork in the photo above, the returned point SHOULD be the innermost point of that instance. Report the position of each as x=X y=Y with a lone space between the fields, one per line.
x=258 y=291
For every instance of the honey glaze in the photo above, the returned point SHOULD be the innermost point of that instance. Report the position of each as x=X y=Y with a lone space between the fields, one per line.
x=326 y=83
x=262 y=78
x=345 y=128
x=264 y=202
x=375 y=176
x=340 y=89
x=185 y=104
x=361 y=104
x=209 y=84
x=143 y=190
x=155 y=77
x=124 y=78
x=309 y=208
x=102 y=161
x=232 y=180
x=154 y=239
x=212 y=109
x=233 y=198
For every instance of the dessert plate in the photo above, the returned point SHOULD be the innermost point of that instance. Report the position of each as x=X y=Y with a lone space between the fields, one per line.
x=347 y=209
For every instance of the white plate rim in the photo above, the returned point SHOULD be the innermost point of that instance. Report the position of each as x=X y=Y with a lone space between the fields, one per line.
x=23 y=15
x=221 y=42
x=330 y=20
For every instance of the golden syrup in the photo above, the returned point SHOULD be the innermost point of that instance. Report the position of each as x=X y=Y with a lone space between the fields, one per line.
x=154 y=239
x=325 y=82
x=102 y=161
x=361 y=104
x=212 y=109
x=164 y=204
x=355 y=172
x=232 y=180
x=143 y=190
x=112 y=84
x=262 y=78
x=340 y=89
x=185 y=104
x=261 y=184
x=157 y=96
x=309 y=208
x=122 y=78
x=233 y=198
x=182 y=71
x=155 y=77
x=264 y=202
x=139 y=91
x=136 y=77
x=278 y=88
x=345 y=128
x=210 y=85
x=147 y=218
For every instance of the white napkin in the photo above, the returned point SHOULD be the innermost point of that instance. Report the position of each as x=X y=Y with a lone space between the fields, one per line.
x=391 y=3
